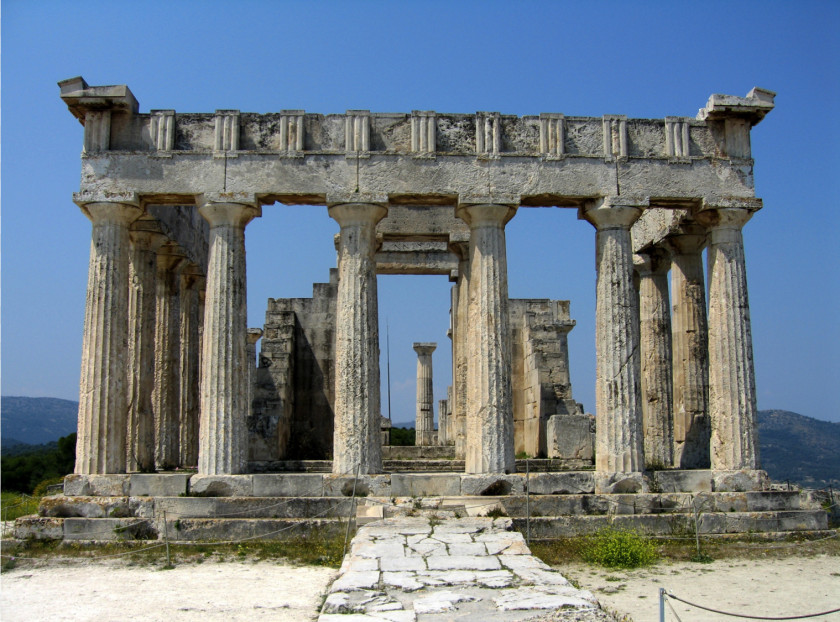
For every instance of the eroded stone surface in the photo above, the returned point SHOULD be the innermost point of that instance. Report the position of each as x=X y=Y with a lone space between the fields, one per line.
x=417 y=568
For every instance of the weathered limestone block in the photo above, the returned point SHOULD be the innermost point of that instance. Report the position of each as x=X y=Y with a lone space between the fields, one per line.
x=690 y=349
x=219 y=485
x=568 y=483
x=356 y=446
x=371 y=485
x=424 y=419
x=655 y=334
x=743 y=480
x=140 y=427
x=732 y=401
x=492 y=485
x=101 y=443
x=570 y=437
x=619 y=447
x=426 y=485
x=223 y=443
x=166 y=395
x=95 y=485
x=158 y=485
x=489 y=444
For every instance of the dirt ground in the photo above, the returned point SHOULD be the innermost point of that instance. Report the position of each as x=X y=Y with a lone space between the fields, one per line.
x=772 y=588
x=105 y=590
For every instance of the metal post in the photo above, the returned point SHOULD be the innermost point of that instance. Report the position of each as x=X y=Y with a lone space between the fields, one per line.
x=661 y=604
x=166 y=539
x=527 y=502
x=352 y=508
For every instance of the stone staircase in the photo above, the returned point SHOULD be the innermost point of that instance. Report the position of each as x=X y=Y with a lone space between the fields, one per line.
x=279 y=505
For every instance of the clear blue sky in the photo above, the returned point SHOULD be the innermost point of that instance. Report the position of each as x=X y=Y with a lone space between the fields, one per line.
x=642 y=59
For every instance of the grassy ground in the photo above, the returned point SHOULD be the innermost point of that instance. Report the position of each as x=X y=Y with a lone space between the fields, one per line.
x=560 y=551
x=315 y=548
x=14 y=505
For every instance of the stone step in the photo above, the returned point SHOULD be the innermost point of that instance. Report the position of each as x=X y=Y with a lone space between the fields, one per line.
x=179 y=529
x=678 y=525
x=518 y=505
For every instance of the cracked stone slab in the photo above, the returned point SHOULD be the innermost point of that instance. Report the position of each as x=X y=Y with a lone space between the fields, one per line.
x=472 y=569
x=353 y=581
x=440 y=602
x=529 y=598
x=463 y=562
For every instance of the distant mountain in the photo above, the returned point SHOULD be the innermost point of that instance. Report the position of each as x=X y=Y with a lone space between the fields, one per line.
x=36 y=420
x=793 y=447
x=798 y=448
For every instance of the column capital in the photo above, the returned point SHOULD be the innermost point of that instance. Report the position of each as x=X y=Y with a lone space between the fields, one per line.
x=484 y=213
x=254 y=335
x=691 y=238
x=616 y=212
x=233 y=209
x=424 y=348
x=146 y=238
x=727 y=215
x=119 y=208
x=652 y=260
x=357 y=213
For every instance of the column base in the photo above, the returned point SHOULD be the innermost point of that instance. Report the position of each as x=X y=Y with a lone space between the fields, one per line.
x=620 y=483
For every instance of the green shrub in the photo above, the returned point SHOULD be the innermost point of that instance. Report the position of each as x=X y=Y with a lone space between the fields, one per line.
x=617 y=548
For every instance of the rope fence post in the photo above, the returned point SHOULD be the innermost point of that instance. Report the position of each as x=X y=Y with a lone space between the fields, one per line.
x=661 y=604
x=527 y=502
x=352 y=508
x=166 y=540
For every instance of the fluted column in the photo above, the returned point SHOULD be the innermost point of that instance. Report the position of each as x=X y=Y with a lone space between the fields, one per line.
x=655 y=338
x=166 y=395
x=460 y=355
x=424 y=424
x=356 y=445
x=223 y=444
x=619 y=449
x=101 y=441
x=690 y=350
x=489 y=443
x=140 y=427
x=443 y=422
x=191 y=282
x=732 y=401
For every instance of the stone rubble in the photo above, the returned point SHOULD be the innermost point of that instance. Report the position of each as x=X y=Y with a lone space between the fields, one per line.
x=414 y=569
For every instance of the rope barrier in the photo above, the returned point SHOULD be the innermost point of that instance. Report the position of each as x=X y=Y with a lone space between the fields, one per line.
x=748 y=617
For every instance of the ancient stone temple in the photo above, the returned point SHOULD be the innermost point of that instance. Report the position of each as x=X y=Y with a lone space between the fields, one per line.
x=168 y=367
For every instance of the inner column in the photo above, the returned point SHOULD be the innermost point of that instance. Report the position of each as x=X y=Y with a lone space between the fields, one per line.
x=489 y=434
x=424 y=418
x=619 y=454
x=356 y=443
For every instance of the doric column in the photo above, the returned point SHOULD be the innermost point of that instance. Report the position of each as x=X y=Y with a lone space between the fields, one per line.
x=619 y=450
x=356 y=446
x=443 y=422
x=223 y=443
x=424 y=424
x=732 y=401
x=101 y=442
x=655 y=337
x=140 y=427
x=191 y=282
x=489 y=443
x=690 y=351
x=166 y=395
x=460 y=358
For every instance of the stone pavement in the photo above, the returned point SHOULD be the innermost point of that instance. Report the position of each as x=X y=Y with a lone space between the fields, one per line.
x=416 y=569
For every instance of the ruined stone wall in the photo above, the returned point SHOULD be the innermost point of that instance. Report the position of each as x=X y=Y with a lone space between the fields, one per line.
x=292 y=413
x=540 y=369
